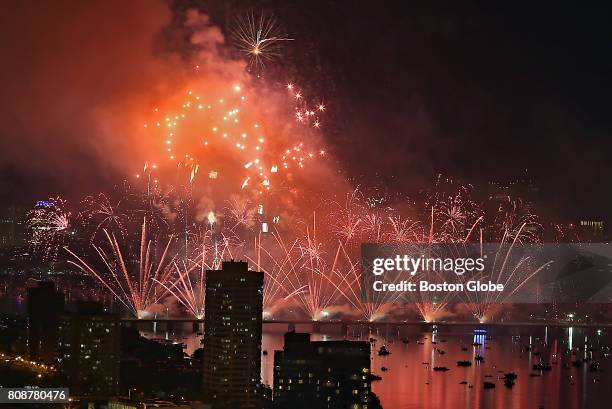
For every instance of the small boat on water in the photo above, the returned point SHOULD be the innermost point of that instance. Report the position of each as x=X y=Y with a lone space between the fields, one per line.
x=488 y=385
x=542 y=366
x=441 y=369
x=383 y=351
x=509 y=379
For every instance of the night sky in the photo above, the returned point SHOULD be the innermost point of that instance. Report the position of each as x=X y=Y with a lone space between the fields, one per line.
x=477 y=92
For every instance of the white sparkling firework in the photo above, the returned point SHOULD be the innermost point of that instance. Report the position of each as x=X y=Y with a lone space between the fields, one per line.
x=259 y=38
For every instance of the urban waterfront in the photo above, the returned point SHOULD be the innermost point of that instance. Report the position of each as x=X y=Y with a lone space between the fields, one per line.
x=411 y=382
x=212 y=204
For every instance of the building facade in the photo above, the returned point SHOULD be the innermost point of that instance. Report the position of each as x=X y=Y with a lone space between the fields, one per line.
x=12 y=226
x=45 y=304
x=89 y=351
x=322 y=374
x=232 y=335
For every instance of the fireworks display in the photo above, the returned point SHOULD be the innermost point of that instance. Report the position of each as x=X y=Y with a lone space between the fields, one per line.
x=134 y=282
x=235 y=166
x=215 y=135
x=326 y=204
x=313 y=265
x=48 y=225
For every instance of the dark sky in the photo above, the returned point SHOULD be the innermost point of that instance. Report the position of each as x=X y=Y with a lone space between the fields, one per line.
x=480 y=92
x=474 y=91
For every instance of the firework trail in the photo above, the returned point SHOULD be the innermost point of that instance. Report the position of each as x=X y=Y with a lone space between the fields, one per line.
x=281 y=264
x=188 y=285
x=299 y=271
x=514 y=220
x=513 y=224
x=347 y=217
x=186 y=280
x=508 y=270
x=104 y=214
x=321 y=291
x=452 y=219
x=402 y=230
x=136 y=288
x=240 y=213
x=320 y=282
x=345 y=277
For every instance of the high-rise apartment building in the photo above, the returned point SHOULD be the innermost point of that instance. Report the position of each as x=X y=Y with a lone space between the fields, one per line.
x=89 y=351
x=232 y=335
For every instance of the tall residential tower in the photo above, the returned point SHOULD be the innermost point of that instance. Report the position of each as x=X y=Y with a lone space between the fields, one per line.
x=232 y=334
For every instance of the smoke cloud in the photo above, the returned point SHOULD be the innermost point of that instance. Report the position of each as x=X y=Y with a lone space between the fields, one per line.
x=82 y=77
x=75 y=78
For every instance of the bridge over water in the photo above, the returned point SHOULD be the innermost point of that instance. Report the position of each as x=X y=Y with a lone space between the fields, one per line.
x=318 y=325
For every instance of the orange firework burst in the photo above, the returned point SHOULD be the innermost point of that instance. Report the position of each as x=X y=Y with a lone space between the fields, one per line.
x=216 y=135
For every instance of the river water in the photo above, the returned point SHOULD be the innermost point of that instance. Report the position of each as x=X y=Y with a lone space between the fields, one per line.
x=410 y=381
